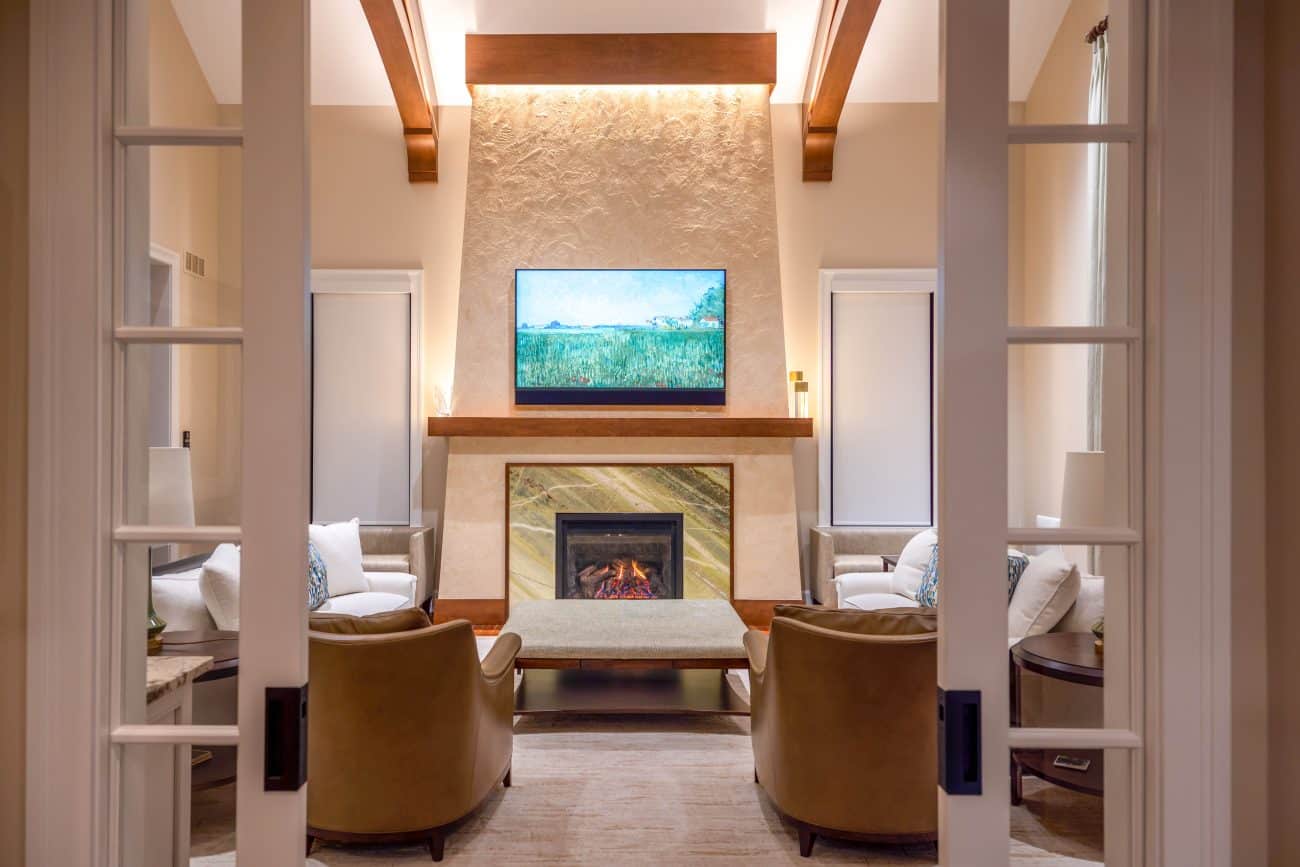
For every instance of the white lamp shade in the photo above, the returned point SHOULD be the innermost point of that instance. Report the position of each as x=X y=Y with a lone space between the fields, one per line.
x=1083 y=495
x=171 y=487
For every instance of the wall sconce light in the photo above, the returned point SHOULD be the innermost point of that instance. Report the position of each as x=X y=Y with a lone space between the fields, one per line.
x=796 y=377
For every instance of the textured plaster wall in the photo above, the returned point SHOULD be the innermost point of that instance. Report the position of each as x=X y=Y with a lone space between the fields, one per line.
x=613 y=178
x=606 y=177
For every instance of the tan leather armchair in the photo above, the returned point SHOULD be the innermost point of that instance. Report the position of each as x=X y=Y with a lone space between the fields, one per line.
x=843 y=722
x=407 y=731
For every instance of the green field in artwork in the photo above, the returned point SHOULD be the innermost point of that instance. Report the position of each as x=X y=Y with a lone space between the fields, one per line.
x=620 y=357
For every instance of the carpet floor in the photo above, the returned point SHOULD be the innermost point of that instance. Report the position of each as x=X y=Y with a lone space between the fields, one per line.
x=599 y=790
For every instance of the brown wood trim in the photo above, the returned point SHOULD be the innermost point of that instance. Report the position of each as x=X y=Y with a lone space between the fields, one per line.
x=731 y=503
x=757 y=613
x=487 y=613
x=399 y=35
x=620 y=58
x=842 y=31
x=618 y=426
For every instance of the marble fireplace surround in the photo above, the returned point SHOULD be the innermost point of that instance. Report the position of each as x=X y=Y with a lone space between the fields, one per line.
x=701 y=493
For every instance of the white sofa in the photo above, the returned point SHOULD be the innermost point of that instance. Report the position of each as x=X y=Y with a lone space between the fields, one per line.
x=177 y=599
x=396 y=563
x=874 y=590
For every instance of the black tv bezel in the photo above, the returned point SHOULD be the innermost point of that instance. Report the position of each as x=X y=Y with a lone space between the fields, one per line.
x=592 y=397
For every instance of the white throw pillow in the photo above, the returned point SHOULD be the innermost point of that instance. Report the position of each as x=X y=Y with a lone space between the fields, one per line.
x=340 y=547
x=219 y=586
x=906 y=577
x=1045 y=593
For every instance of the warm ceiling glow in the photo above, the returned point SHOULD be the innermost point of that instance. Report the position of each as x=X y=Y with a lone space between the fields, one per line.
x=708 y=90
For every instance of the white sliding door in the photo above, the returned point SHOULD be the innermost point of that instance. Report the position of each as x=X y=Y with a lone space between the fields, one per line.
x=365 y=396
x=877 y=444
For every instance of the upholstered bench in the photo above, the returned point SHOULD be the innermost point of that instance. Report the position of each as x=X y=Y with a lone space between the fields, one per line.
x=628 y=655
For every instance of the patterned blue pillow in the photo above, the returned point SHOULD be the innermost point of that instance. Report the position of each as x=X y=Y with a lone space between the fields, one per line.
x=318 y=589
x=928 y=593
x=1017 y=563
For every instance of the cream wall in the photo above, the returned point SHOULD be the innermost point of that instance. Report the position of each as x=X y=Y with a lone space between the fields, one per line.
x=881 y=211
x=13 y=424
x=189 y=196
x=1052 y=255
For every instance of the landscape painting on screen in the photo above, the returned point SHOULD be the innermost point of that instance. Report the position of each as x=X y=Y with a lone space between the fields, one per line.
x=635 y=336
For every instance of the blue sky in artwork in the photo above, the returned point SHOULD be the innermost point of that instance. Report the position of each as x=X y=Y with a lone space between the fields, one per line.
x=586 y=298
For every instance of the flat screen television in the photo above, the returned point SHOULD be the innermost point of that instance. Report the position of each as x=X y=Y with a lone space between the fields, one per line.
x=640 y=336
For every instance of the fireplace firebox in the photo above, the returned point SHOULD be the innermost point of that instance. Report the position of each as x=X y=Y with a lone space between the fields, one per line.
x=618 y=555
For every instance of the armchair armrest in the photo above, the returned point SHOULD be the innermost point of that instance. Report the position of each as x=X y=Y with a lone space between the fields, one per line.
x=855 y=583
x=756 y=650
x=500 y=660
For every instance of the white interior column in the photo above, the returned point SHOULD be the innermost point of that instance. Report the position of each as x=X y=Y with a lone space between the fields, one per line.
x=274 y=498
x=972 y=408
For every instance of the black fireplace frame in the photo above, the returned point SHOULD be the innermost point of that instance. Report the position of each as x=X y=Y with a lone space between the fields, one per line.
x=633 y=522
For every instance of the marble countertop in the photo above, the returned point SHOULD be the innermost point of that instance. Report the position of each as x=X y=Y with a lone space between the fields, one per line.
x=167 y=673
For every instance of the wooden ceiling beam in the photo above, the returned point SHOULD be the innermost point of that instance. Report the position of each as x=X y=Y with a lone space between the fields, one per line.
x=841 y=33
x=620 y=58
x=399 y=34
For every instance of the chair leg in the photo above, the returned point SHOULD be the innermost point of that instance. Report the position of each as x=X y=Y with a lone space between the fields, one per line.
x=436 y=841
x=806 y=840
x=505 y=781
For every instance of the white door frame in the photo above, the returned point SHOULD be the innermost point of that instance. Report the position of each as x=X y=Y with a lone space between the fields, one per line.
x=81 y=719
x=1188 y=719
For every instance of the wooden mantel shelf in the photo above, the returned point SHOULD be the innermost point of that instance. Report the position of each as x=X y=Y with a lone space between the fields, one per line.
x=617 y=426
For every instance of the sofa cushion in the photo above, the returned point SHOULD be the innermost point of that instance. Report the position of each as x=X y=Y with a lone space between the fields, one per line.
x=401 y=620
x=900 y=620
x=340 y=548
x=879 y=601
x=402 y=583
x=1048 y=588
x=219 y=586
x=177 y=599
x=847 y=563
x=907 y=575
x=362 y=604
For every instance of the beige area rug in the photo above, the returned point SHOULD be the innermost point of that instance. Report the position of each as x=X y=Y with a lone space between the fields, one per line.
x=671 y=790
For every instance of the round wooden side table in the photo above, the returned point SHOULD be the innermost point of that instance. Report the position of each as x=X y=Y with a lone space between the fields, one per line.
x=1072 y=657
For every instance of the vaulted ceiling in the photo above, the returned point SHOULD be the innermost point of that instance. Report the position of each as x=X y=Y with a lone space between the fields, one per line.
x=899 y=61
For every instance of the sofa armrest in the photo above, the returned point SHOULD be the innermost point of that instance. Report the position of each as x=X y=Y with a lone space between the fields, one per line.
x=394 y=582
x=500 y=660
x=823 y=563
x=423 y=565
x=857 y=583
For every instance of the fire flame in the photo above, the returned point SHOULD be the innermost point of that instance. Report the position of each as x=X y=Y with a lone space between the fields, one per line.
x=629 y=581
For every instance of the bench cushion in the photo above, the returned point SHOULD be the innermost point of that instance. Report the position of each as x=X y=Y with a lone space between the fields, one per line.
x=627 y=629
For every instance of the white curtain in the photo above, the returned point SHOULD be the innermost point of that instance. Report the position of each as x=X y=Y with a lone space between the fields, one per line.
x=1097 y=114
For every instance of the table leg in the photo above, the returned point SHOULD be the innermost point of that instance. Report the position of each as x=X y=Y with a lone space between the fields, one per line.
x=1017 y=776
